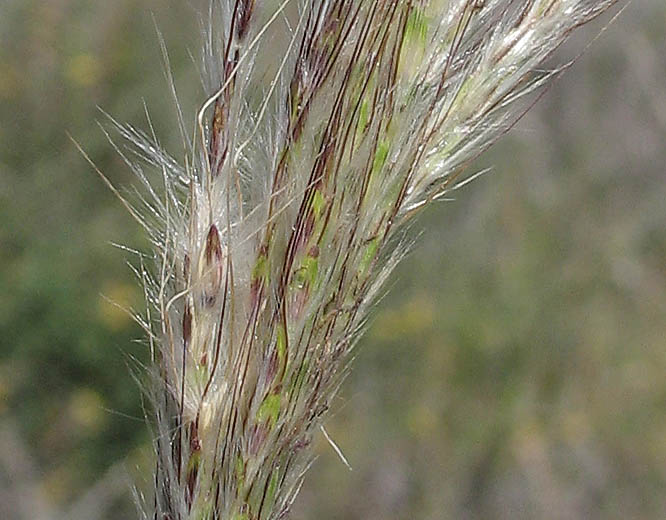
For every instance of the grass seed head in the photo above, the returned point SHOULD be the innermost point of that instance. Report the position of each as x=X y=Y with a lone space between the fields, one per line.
x=327 y=126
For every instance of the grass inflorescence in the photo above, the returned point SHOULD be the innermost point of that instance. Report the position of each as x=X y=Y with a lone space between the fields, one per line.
x=327 y=126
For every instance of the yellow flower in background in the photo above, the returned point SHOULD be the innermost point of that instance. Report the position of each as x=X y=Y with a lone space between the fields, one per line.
x=114 y=304
x=86 y=410
x=415 y=316
x=83 y=70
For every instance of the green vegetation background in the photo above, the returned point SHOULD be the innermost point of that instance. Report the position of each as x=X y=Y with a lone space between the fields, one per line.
x=515 y=369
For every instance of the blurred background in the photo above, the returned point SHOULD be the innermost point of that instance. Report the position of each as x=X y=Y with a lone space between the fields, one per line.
x=515 y=370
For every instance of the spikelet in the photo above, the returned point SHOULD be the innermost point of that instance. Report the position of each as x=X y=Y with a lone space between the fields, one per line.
x=328 y=125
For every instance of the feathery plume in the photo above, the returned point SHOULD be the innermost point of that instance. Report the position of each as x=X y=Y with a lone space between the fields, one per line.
x=328 y=125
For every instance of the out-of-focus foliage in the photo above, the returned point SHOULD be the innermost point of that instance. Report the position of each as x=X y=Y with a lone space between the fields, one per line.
x=67 y=396
x=515 y=370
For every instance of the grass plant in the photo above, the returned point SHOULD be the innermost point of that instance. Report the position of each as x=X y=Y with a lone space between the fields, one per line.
x=326 y=127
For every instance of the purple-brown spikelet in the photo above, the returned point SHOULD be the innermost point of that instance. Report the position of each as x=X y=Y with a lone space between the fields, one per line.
x=327 y=125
